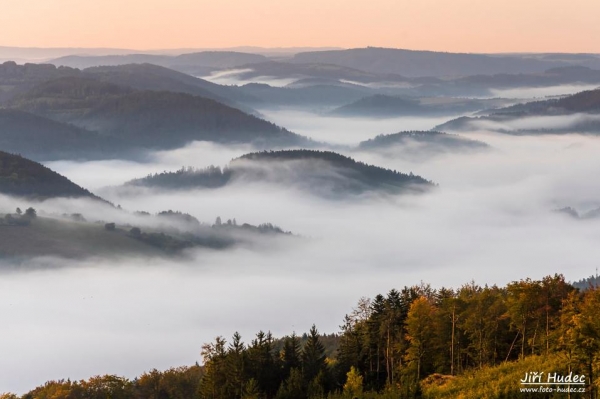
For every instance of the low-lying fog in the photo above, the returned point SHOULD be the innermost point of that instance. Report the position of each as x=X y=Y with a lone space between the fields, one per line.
x=340 y=130
x=235 y=77
x=541 y=92
x=490 y=220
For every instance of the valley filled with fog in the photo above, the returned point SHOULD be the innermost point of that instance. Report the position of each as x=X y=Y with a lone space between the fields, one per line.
x=214 y=236
x=491 y=220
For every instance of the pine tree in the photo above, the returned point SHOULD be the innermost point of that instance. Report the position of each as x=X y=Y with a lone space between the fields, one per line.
x=290 y=355
x=313 y=356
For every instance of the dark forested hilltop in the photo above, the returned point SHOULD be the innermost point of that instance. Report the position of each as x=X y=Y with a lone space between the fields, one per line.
x=321 y=172
x=415 y=342
x=25 y=178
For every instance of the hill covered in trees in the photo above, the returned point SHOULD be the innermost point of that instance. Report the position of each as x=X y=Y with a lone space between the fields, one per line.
x=25 y=178
x=157 y=78
x=416 y=342
x=34 y=233
x=321 y=172
x=15 y=79
x=580 y=113
x=147 y=119
x=421 y=142
x=43 y=139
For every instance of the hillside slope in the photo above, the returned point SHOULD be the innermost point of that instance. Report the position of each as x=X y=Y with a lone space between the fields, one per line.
x=22 y=177
x=148 y=119
x=43 y=139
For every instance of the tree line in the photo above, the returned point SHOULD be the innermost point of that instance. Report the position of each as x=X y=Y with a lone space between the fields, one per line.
x=395 y=344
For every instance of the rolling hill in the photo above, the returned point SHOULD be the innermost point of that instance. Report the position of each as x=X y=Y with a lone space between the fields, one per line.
x=25 y=178
x=153 y=77
x=421 y=143
x=578 y=113
x=323 y=173
x=148 y=119
x=44 y=139
x=15 y=79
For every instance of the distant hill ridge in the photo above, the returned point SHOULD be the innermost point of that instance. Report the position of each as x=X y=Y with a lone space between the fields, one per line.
x=413 y=63
x=583 y=106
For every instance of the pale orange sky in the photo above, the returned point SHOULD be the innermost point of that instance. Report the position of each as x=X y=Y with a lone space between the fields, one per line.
x=450 y=25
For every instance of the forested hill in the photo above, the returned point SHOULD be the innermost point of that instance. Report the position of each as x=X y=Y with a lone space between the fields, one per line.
x=158 y=78
x=148 y=119
x=321 y=172
x=21 y=177
x=584 y=107
x=585 y=101
x=43 y=139
x=16 y=79
x=422 y=140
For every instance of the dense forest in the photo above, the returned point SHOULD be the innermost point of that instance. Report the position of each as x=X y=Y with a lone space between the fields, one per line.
x=22 y=177
x=471 y=342
x=322 y=172
x=585 y=101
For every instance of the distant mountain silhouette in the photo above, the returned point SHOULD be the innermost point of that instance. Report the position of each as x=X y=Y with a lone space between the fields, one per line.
x=280 y=69
x=412 y=63
x=321 y=172
x=187 y=62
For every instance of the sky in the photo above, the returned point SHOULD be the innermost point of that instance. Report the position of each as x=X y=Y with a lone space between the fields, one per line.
x=447 y=25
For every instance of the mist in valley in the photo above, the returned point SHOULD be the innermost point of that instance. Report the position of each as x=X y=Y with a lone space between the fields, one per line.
x=491 y=220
